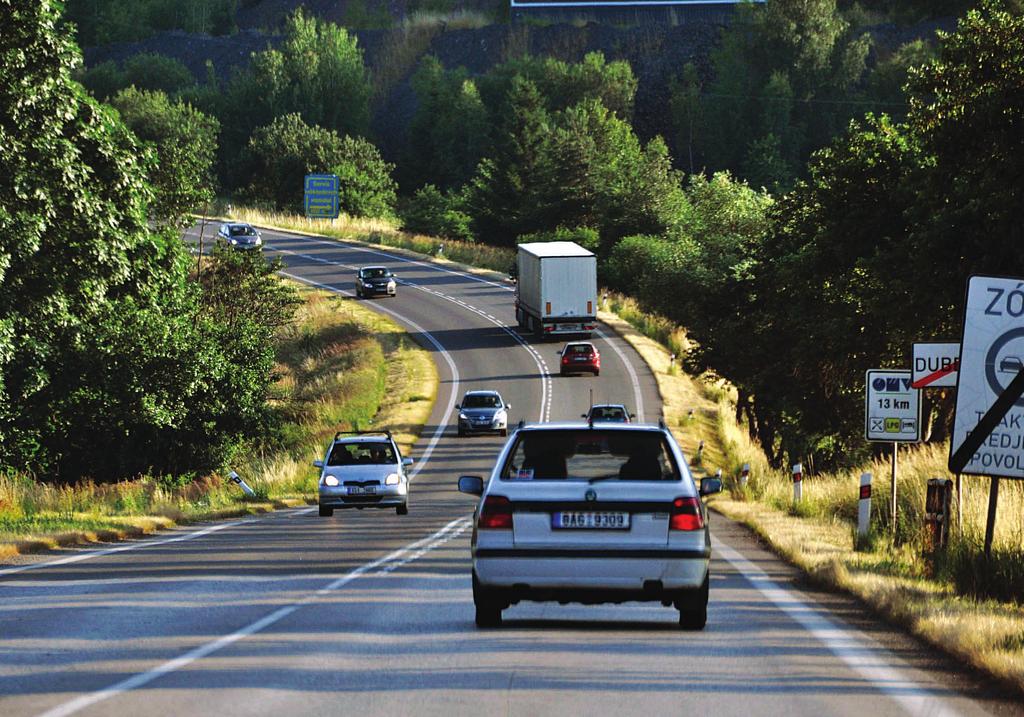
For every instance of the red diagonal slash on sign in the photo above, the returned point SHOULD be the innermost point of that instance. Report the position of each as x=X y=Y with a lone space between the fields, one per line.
x=932 y=377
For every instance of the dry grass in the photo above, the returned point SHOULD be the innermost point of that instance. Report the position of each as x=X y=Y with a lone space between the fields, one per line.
x=341 y=366
x=383 y=232
x=818 y=536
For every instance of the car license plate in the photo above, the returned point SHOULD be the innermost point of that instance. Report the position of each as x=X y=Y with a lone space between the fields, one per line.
x=362 y=489
x=590 y=520
x=569 y=327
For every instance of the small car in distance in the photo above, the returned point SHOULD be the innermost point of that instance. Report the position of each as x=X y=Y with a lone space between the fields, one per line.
x=610 y=412
x=239 y=235
x=363 y=470
x=373 y=280
x=600 y=513
x=579 y=357
x=483 y=412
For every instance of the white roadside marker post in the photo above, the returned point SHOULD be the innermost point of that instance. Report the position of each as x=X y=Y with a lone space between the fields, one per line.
x=864 y=507
x=798 y=482
x=237 y=479
x=744 y=474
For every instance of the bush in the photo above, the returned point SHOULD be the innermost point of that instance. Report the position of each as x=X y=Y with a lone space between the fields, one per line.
x=431 y=212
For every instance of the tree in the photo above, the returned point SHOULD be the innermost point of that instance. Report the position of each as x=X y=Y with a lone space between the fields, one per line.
x=282 y=153
x=448 y=132
x=185 y=142
x=432 y=212
x=318 y=73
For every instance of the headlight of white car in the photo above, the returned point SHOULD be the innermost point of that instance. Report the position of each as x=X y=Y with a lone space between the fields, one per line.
x=392 y=479
x=330 y=480
x=500 y=417
x=463 y=417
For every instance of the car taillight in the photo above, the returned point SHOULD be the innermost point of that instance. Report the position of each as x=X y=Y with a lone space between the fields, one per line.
x=496 y=513
x=686 y=515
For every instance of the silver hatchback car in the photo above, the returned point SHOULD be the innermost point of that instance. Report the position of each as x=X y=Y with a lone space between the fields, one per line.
x=591 y=513
x=363 y=470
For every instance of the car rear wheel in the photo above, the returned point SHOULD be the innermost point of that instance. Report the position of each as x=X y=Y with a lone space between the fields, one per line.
x=488 y=605
x=402 y=509
x=461 y=433
x=504 y=432
x=326 y=512
x=693 y=609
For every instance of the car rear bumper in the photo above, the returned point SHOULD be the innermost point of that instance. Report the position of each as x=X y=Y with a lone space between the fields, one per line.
x=626 y=572
x=370 y=291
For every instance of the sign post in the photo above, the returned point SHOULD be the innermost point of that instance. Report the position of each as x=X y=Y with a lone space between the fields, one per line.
x=892 y=414
x=321 y=196
x=988 y=425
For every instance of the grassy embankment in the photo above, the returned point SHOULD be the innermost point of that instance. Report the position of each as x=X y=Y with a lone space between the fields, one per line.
x=817 y=535
x=340 y=365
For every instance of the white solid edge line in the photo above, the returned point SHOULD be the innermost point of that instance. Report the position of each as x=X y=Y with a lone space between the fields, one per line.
x=79 y=703
x=632 y=374
x=862 y=654
x=441 y=425
x=125 y=548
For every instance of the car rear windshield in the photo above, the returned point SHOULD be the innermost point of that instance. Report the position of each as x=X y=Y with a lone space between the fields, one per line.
x=580 y=349
x=607 y=413
x=242 y=231
x=373 y=273
x=362 y=453
x=481 y=401
x=590 y=454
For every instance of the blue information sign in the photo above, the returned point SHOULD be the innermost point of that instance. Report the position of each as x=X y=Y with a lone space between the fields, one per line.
x=321 y=199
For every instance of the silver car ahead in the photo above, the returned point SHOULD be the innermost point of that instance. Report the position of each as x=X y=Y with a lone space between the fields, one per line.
x=240 y=236
x=363 y=470
x=373 y=280
x=590 y=513
x=483 y=412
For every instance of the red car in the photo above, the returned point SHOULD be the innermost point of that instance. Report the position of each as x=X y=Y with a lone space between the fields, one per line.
x=579 y=357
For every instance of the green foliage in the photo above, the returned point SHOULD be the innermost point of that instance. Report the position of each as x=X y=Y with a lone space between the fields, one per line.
x=448 y=133
x=432 y=212
x=185 y=142
x=99 y=22
x=145 y=71
x=281 y=154
x=110 y=363
x=785 y=83
x=317 y=73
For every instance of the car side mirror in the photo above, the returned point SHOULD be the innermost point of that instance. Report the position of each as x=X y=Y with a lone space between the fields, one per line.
x=583 y=415
x=474 y=485
x=407 y=461
x=508 y=405
x=710 y=486
x=318 y=464
x=458 y=405
x=632 y=415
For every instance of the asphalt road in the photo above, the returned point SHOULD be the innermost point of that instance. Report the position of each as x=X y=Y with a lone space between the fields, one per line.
x=370 y=613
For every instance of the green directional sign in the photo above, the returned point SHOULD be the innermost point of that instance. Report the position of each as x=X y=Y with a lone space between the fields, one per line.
x=321 y=196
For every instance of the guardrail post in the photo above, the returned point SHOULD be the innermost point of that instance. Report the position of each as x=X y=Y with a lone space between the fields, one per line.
x=864 y=506
x=237 y=479
x=744 y=474
x=798 y=482
x=700 y=454
x=936 y=511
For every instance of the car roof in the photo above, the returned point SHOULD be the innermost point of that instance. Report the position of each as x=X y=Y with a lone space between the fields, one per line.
x=363 y=439
x=238 y=224
x=609 y=405
x=578 y=425
x=375 y=266
x=483 y=392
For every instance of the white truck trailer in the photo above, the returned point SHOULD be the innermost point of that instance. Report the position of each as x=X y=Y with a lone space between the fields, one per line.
x=556 y=292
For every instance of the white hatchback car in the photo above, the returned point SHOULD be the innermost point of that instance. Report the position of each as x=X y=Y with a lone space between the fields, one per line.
x=591 y=514
x=363 y=469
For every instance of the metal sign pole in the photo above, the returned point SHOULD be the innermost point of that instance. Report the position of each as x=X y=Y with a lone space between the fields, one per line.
x=959 y=505
x=990 y=524
x=895 y=447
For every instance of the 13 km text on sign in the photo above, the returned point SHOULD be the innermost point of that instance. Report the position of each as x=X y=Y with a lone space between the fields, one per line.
x=892 y=408
x=991 y=356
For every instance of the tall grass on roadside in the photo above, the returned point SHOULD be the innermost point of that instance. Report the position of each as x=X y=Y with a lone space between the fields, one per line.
x=650 y=325
x=385 y=233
